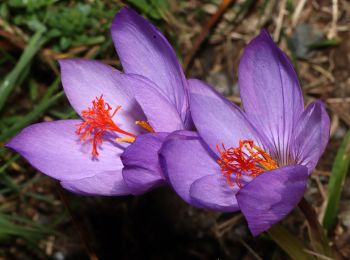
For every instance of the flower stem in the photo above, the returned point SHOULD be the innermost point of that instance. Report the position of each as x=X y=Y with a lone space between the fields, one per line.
x=317 y=234
x=290 y=244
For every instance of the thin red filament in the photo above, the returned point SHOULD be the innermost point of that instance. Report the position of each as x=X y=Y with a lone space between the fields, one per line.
x=97 y=120
x=245 y=160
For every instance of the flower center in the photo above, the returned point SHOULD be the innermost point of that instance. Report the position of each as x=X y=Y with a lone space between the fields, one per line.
x=98 y=119
x=245 y=160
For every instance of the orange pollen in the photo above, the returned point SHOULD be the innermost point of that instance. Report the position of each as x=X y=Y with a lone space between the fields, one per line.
x=97 y=120
x=145 y=125
x=246 y=159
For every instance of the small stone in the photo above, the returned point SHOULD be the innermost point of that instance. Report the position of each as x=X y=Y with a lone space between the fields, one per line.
x=210 y=8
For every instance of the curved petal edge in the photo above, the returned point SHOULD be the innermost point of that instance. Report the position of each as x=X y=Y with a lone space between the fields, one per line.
x=142 y=171
x=271 y=196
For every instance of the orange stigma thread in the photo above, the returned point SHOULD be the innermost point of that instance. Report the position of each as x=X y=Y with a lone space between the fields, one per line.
x=97 y=120
x=246 y=159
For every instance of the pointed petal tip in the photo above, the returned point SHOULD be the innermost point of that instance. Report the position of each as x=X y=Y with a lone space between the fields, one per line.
x=265 y=34
x=129 y=16
x=144 y=50
x=53 y=149
x=322 y=107
x=263 y=40
x=15 y=142
x=11 y=144
x=123 y=13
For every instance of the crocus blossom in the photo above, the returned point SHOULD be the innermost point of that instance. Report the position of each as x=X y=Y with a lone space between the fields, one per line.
x=137 y=107
x=255 y=160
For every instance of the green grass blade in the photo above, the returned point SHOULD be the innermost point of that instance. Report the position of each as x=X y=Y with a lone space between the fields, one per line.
x=8 y=163
x=8 y=229
x=289 y=243
x=47 y=101
x=40 y=197
x=336 y=182
x=9 y=182
x=325 y=44
x=8 y=84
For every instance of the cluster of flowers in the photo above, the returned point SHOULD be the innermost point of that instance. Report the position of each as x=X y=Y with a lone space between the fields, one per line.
x=150 y=126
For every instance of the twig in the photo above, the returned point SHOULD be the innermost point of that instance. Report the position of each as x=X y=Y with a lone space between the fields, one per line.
x=235 y=99
x=316 y=232
x=324 y=72
x=319 y=186
x=338 y=100
x=322 y=173
x=318 y=255
x=333 y=30
x=268 y=13
x=334 y=124
x=279 y=21
x=323 y=193
x=251 y=250
x=297 y=12
x=205 y=31
x=222 y=228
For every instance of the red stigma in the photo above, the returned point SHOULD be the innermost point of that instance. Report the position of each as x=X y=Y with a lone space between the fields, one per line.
x=246 y=159
x=97 y=120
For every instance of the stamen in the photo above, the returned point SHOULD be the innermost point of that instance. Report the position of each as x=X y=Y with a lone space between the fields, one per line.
x=97 y=120
x=246 y=159
x=145 y=125
x=125 y=139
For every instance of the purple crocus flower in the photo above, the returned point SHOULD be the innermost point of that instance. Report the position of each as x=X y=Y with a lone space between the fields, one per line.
x=255 y=160
x=139 y=106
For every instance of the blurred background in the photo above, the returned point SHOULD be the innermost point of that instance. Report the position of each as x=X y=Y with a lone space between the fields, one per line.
x=39 y=220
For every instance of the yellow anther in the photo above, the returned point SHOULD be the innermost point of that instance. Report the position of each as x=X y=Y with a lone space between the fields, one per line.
x=145 y=125
x=125 y=139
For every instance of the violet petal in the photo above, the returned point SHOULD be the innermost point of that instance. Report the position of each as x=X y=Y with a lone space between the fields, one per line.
x=103 y=183
x=185 y=159
x=142 y=170
x=143 y=50
x=85 y=80
x=55 y=149
x=160 y=113
x=270 y=91
x=271 y=196
x=217 y=120
x=213 y=192
x=311 y=135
